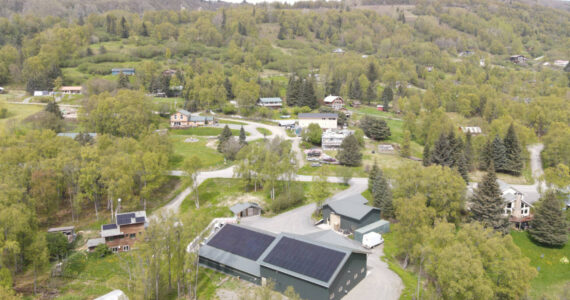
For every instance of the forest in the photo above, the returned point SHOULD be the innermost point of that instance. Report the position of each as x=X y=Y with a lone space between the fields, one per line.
x=435 y=66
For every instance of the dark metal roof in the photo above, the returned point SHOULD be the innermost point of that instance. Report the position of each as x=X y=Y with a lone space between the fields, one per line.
x=139 y=220
x=109 y=226
x=305 y=258
x=241 y=241
x=124 y=219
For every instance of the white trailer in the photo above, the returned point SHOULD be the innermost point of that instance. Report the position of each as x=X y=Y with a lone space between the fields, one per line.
x=371 y=240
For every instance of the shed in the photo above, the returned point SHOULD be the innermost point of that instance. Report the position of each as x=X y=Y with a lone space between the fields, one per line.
x=92 y=243
x=381 y=227
x=124 y=71
x=68 y=231
x=248 y=209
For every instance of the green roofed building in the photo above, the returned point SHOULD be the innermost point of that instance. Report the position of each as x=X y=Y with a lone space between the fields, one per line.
x=381 y=227
x=349 y=214
x=319 y=266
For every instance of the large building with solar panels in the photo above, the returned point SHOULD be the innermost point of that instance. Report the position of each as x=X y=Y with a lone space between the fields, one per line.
x=321 y=265
x=121 y=235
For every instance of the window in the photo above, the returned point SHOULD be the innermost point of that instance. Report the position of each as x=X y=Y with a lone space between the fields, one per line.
x=175 y=116
x=509 y=205
x=132 y=235
x=115 y=249
x=126 y=248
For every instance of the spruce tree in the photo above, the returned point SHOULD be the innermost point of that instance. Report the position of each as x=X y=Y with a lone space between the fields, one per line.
x=229 y=89
x=372 y=73
x=441 y=153
x=308 y=97
x=549 y=226
x=242 y=137
x=375 y=128
x=387 y=96
x=486 y=156
x=123 y=81
x=53 y=108
x=371 y=93
x=382 y=195
x=224 y=137
x=487 y=204
x=499 y=154
x=124 y=29
x=426 y=159
x=355 y=91
x=350 y=154
x=468 y=152
x=372 y=177
x=144 y=30
x=514 y=162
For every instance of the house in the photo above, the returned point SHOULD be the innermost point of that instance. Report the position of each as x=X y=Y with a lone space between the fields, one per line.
x=71 y=90
x=518 y=59
x=121 y=235
x=335 y=102
x=73 y=135
x=287 y=123
x=331 y=139
x=319 y=266
x=516 y=207
x=183 y=118
x=124 y=71
x=242 y=210
x=349 y=214
x=325 y=120
x=338 y=51
x=380 y=107
x=473 y=130
x=560 y=63
x=274 y=103
x=41 y=93
x=68 y=231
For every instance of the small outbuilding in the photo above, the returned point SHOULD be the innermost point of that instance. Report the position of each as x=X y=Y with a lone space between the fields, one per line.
x=381 y=227
x=124 y=71
x=242 y=210
x=68 y=231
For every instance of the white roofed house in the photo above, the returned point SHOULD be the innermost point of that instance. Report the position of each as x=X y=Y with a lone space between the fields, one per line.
x=335 y=102
x=274 y=102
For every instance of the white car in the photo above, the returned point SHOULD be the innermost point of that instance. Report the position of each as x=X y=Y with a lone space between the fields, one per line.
x=371 y=240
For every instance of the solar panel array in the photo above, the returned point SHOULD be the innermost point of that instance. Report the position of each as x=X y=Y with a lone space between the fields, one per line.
x=139 y=220
x=109 y=226
x=240 y=241
x=304 y=258
x=124 y=219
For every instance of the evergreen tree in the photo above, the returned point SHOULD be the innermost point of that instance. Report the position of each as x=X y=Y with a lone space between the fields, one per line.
x=350 y=154
x=405 y=149
x=53 y=108
x=224 y=137
x=224 y=19
x=242 y=137
x=387 y=97
x=442 y=152
x=293 y=92
x=229 y=90
x=382 y=195
x=487 y=205
x=375 y=128
x=372 y=176
x=549 y=226
x=124 y=29
x=371 y=93
x=426 y=159
x=308 y=97
x=499 y=154
x=144 y=30
x=372 y=72
x=468 y=151
x=486 y=156
x=514 y=162
x=355 y=91
x=462 y=167
x=123 y=81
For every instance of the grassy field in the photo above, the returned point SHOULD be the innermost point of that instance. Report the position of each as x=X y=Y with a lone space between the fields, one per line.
x=231 y=122
x=202 y=131
x=554 y=276
x=210 y=157
x=17 y=112
x=264 y=131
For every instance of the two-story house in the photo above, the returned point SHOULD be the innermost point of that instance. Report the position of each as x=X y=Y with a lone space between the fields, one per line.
x=516 y=208
x=183 y=118
x=335 y=102
x=128 y=227
x=331 y=140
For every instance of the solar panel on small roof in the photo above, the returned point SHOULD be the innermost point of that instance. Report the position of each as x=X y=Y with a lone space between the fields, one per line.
x=139 y=219
x=124 y=219
x=109 y=226
x=305 y=258
x=241 y=241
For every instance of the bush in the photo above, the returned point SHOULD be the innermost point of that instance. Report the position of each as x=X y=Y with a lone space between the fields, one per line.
x=312 y=134
x=294 y=196
x=3 y=113
x=375 y=128
x=74 y=265
x=148 y=51
x=229 y=109
x=101 y=251
x=58 y=245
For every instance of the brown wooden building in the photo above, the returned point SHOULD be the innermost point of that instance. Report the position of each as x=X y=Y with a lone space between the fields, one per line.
x=128 y=227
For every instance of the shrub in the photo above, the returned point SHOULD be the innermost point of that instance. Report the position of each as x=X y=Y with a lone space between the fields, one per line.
x=74 y=265
x=292 y=197
x=229 y=109
x=101 y=251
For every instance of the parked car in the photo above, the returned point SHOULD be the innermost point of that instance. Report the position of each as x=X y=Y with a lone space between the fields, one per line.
x=371 y=240
x=329 y=159
x=315 y=165
x=314 y=153
x=313 y=159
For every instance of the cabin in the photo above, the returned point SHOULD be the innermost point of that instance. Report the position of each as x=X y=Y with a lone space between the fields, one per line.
x=124 y=71
x=273 y=103
x=68 y=231
x=184 y=119
x=335 y=102
x=380 y=107
x=348 y=214
x=71 y=90
x=517 y=59
x=324 y=120
x=242 y=210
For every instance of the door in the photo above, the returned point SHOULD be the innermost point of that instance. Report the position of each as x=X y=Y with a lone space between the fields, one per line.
x=335 y=221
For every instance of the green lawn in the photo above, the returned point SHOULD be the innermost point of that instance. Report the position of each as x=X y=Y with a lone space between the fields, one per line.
x=210 y=157
x=331 y=170
x=264 y=131
x=231 y=122
x=17 y=112
x=554 y=276
x=202 y=131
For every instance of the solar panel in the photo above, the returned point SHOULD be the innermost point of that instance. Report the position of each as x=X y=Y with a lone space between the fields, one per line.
x=124 y=219
x=139 y=220
x=109 y=226
x=240 y=241
x=305 y=258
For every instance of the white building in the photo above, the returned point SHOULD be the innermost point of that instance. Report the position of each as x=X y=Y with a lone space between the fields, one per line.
x=335 y=102
x=274 y=102
x=325 y=121
x=331 y=140
x=560 y=63
x=474 y=130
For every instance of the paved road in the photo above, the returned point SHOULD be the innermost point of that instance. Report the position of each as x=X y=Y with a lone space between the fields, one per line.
x=532 y=192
